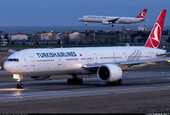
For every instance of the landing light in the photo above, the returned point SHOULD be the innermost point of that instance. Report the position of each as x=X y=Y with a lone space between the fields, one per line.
x=16 y=76
x=85 y=66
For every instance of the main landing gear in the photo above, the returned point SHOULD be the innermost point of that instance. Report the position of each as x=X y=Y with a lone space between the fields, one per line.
x=115 y=83
x=19 y=80
x=75 y=80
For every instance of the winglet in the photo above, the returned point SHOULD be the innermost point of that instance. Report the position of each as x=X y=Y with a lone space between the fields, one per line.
x=155 y=35
x=142 y=14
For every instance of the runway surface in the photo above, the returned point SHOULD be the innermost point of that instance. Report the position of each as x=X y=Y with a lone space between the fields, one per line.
x=133 y=82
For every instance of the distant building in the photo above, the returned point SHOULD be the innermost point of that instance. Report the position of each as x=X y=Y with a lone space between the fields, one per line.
x=48 y=35
x=18 y=36
x=142 y=28
x=74 y=35
x=45 y=35
x=3 y=40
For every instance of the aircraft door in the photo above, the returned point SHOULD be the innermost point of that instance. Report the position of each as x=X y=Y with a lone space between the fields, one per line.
x=61 y=65
x=29 y=60
x=95 y=58
x=114 y=58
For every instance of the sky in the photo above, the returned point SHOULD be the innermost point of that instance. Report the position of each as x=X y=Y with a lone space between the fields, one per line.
x=67 y=12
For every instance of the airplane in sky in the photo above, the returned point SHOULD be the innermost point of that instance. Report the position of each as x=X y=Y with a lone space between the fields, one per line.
x=107 y=63
x=106 y=20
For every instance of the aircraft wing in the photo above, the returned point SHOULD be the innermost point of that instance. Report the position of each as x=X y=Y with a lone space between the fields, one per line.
x=113 y=20
x=135 y=62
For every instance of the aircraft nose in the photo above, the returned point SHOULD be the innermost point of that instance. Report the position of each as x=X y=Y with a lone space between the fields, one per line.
x=80 y=19
x=8 y=67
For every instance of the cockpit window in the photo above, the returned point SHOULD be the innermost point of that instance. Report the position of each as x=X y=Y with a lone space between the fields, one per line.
x=13 y=59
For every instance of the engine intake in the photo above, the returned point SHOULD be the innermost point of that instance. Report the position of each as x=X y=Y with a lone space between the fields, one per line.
x=109 y=73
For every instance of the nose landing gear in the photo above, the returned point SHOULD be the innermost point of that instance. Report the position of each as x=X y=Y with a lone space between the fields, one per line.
x=19 y=80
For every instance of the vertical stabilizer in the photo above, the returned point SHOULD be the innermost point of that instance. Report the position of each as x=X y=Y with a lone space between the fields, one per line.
x=155 y=35
x=142 y=14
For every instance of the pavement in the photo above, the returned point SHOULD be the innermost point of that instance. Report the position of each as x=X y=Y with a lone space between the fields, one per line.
x=142 y=91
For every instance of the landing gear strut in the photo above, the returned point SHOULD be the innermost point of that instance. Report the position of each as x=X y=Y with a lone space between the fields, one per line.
x=75 y=80
x=19 y=80
x=118 y=82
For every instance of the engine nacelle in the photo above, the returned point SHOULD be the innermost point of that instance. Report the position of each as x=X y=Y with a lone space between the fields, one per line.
x=105 y=22
x=39 y=77
x=109 y=73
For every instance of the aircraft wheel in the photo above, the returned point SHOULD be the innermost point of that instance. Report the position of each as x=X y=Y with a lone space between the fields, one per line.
x=20 y=86
x=119 y=82
x=74 y=81
x=111 y=83
x=80 y=81
x=69 y=81
x=115 y=83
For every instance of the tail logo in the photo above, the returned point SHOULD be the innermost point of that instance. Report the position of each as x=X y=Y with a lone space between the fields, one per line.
x=155 y=37
x=143 y=14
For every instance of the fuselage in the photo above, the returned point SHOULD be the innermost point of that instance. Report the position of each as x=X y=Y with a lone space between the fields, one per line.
x=101 y=19
x=58 y=61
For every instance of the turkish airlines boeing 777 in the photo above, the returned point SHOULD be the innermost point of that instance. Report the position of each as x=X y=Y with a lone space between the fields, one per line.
x=106 y=62
x=106 y=20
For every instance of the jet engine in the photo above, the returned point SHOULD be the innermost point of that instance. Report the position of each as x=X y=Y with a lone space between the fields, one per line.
x=39 y=77
x=105 y=22
x=109 y=73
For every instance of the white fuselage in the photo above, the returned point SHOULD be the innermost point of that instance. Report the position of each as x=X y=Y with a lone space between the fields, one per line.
x=55 y=61
x=102 y=19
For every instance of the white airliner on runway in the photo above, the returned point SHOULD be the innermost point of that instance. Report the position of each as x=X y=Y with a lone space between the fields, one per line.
x=106 y=20
x=106 y=62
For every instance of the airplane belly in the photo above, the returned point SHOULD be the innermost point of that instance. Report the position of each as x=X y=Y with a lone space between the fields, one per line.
x=127 y=21
x=93 y=20
x=64 y=70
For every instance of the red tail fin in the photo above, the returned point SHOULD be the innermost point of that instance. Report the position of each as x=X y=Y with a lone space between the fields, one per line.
x=142 y=14
x=155 y=35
